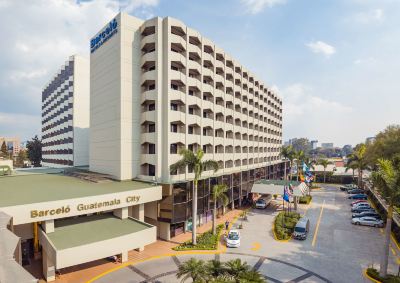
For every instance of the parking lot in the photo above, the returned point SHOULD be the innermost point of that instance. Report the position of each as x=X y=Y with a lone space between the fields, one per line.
x=335 y=250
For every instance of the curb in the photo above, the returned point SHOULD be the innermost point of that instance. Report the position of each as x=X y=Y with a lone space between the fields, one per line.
x=369 y=277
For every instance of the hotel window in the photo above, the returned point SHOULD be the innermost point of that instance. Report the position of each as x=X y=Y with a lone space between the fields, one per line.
x=151 y=87
x=174 y=86
x=191 y=130
x=191 y=110
x=152 y=107
x=152 y=148
x=191 y=92
x=174 y=107
x=152 y=68
x=152 y=128
x=190 y=147
x=174 y=128
x=152 y=170
x=173 y=148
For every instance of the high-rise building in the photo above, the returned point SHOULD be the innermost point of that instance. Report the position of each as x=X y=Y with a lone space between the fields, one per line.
x=65 y=115
x=327 y=145
x=158 y=86
x=314 y=144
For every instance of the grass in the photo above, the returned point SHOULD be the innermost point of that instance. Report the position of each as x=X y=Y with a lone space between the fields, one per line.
x=205 y=241
x=284 y=224
x=372 y=272
x=305 y=199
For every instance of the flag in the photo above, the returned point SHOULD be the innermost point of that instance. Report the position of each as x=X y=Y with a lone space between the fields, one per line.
x=286 y=193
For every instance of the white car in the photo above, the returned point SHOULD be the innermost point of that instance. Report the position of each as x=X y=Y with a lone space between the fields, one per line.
x=263 y=202
x=233 y=239
x=360 y=205
x=367 y=221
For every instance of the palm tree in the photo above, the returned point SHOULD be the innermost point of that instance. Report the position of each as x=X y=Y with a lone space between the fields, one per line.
x=252 y=276
x=350 y=165
x=360 y=161
x=288 y=153
x=299 y=155
x=324 y=163
x=235 y=267
x=387 y=180
x=193 y=268
x=218 y=194
x=215 y=268
x=194 y=162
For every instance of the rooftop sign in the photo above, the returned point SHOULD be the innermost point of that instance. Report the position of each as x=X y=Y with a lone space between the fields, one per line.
x=104 y=35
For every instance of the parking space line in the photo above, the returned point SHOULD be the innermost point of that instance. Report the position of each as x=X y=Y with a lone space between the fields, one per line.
x=393 y=251
x=317 y=227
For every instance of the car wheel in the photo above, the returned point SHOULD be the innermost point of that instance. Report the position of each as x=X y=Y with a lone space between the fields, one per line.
x=357 y=223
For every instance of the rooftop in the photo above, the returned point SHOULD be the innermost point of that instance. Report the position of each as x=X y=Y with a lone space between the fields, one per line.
x=68 y=232
x=28 y=188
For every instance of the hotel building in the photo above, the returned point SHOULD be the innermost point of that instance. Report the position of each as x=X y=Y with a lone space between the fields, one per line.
x=65 y=115
x=158 y=86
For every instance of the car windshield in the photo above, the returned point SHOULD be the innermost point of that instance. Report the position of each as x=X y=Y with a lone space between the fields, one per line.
x=260 y=201
x=233 y=236
x=299 y=229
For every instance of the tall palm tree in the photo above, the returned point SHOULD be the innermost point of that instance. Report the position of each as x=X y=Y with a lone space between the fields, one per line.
x=350 y=165
x=324 y=163
x=194 y=162
x=288 y=153
x=387 y=180
x=218 y=194
x=235 y=266
x=193 y=268
x=299 y=155
x=360 y=161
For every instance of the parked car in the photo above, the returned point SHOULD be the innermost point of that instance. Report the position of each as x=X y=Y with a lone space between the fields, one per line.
x=361 y=209
x=355 y=191
x=361 y=204
x=301 y=229
x=358 y=201
x=367 y=221
x=348 y=187
x=263 y=202
x=358 y=196
x=366 y=213
x=233 y=239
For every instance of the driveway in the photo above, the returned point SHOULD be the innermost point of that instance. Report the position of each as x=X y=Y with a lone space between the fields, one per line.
x=336 y=251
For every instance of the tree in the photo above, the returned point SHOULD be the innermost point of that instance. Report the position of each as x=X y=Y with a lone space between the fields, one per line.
x=301 y=144
x=299 y=155
x=4 y=151
x=288 y=153
x=235 y=267
x=193 y=268
x=194 y=163
x=21 y=158
x=218 y=194
x=386 y=145
x=35 y=151
x=387 y=180
x=350 y=165
x=215 y=268
x=324 y=163
x=251 y=276
x=360 y=161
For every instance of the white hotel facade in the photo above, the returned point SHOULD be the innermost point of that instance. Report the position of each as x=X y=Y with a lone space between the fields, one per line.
x=65 y=115
x=158 y=86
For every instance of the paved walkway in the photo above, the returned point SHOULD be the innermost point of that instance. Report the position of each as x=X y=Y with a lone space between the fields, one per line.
x=84 y=272
x=273 y=270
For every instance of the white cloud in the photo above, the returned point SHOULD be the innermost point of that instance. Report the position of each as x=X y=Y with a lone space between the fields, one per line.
x=374 y=15
x=256 y=6
x=39 y=38
x=366 y=61
x=321 y=47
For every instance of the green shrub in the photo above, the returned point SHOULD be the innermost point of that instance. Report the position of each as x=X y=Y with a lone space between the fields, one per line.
x=372 y=272
x=305 y=199
x=284 y=224
x=205 y=241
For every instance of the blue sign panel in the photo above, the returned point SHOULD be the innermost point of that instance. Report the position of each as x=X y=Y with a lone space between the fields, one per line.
x=103 y=36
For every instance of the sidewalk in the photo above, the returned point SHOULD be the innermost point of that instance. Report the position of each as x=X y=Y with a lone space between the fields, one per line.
x=84 y=272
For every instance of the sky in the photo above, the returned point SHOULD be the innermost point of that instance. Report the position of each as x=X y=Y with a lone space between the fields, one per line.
x=335 y=63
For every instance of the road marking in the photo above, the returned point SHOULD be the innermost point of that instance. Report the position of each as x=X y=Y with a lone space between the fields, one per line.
x=381 y=230
x=393 y=251
x=398 y=261
x=317 y=227
x=256 y=246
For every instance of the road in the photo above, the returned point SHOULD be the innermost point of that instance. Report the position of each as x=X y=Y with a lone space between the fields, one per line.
x=335 y=250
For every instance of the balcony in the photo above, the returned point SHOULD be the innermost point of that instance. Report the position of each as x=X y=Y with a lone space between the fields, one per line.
x=208 y=56
x=148 y=116
x=177 y=75
x=149 y=76
x=152 y=38
x=151 y=56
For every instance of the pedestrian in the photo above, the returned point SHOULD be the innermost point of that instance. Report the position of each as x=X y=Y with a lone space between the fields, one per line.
x=226 y=225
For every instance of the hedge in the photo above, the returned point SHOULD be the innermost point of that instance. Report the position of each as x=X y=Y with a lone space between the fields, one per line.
x=372 y=272
x=305 y=199
x=205 y=241
x=284 y=224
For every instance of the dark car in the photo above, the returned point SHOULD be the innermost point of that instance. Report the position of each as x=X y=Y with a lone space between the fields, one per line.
x=362 y=209
x=367 y=213
x=355 y=191
x=358 y=196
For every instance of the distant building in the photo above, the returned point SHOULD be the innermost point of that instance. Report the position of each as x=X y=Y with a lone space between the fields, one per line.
x=314 y=144
x=65 y=115
x=327 y=145
x=369 y=139
x=12 y=143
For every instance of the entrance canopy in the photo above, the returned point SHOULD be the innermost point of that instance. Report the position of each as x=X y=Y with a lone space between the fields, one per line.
x=84 y=239
x=276 y=187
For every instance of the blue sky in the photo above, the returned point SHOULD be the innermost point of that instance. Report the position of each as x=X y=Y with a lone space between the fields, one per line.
x=334 y=62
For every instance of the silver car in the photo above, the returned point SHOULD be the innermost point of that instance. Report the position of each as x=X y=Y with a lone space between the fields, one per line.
x=367 y=221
